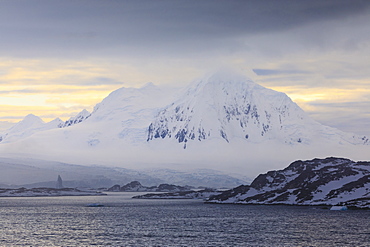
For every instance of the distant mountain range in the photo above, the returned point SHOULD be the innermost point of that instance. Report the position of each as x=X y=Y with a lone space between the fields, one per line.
x=223 y=121
x=34 y=173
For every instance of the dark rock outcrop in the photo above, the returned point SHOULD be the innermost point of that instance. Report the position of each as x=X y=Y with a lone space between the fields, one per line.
x=135 y=186
x=200 y=194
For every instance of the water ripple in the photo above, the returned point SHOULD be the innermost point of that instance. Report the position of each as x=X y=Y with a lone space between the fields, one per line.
x=125 y=222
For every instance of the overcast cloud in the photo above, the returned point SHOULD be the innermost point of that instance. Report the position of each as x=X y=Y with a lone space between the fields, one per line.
x=312 y=50
x=75 y=28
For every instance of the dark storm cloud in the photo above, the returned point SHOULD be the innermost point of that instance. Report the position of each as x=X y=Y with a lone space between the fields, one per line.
x=88 y=28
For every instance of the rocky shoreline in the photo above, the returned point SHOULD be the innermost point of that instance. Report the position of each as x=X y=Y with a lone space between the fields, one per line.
x=42 y=192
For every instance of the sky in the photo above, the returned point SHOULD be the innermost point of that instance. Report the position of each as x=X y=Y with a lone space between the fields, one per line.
x=60 y=57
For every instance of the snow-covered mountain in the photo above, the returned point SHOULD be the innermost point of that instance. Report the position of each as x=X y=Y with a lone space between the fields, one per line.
x=329 y=181
x=231 y=107
x=27 y=127
x=223 y=121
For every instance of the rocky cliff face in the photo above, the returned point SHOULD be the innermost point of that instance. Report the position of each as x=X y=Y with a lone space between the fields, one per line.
x=329 y=181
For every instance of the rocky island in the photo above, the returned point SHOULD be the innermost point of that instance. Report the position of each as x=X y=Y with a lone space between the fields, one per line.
x=136 y=186
x=38 y=192
x=190 y=194
x=330 y=181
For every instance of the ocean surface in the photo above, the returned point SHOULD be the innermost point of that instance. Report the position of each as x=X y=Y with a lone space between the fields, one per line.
x=67 y=221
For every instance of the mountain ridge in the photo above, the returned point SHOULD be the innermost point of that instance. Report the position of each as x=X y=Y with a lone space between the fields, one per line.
x=28 y=126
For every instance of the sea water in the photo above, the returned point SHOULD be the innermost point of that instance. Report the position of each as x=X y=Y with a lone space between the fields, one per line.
x=67 y=221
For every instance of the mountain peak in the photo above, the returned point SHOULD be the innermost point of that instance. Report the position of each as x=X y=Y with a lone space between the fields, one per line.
x=26 y=127
x=57 y=123
x=81 y=116
x=223 y=85
x=226 y=105
x=226 y=75
x=32 y=118
x=84 y=112
x=148 y=85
